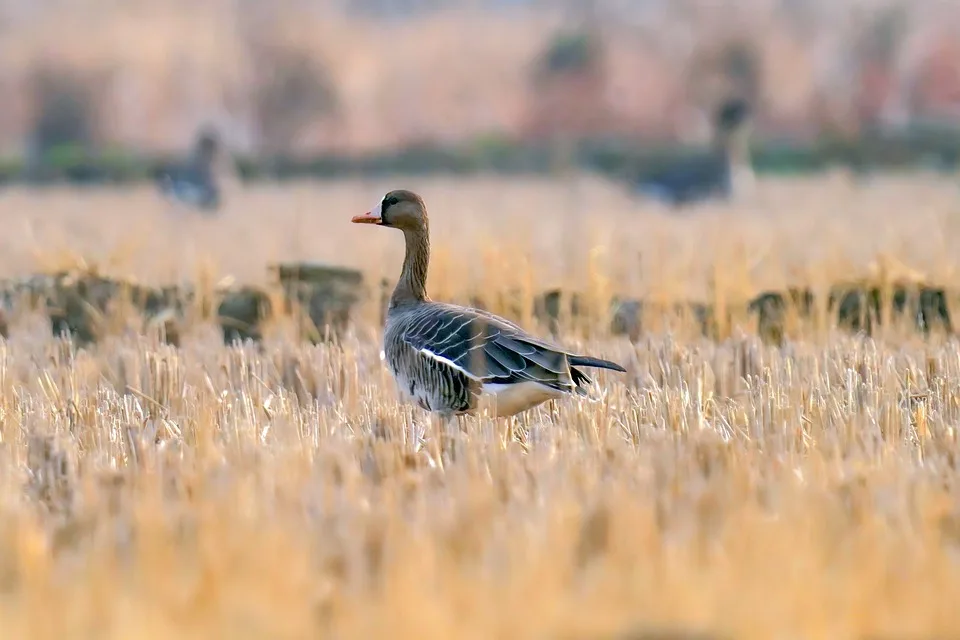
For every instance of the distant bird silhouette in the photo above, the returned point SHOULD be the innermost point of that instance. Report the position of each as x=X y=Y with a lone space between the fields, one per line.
x=715 y=174
x=194 y=182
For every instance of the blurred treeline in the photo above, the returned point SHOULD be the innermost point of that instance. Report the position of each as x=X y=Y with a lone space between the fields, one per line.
x=105 y=91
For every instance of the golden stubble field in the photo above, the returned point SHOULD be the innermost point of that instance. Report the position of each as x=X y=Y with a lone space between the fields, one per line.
x=717 y=490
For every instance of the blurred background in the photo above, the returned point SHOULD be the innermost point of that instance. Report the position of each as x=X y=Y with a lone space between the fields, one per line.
x=103 y=90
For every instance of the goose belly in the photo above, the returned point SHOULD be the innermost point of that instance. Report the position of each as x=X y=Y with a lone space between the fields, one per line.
x=438 y=385
x=509 y=399
x=743 y=180
x=433 y=389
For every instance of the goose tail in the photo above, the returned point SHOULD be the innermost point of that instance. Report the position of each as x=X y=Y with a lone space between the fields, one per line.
x=587 y=361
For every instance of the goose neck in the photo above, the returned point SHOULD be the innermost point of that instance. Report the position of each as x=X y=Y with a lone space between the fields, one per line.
x=412 y=286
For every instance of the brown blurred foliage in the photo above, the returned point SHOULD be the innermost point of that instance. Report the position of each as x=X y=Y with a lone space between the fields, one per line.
x=323 y=77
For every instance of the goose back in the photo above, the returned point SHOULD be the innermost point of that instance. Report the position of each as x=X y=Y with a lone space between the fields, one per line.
x=194 y=182
x=691 y=180
x=192 y=186
x=444 y=356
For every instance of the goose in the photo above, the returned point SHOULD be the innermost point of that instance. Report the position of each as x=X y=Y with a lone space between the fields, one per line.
x=194 y=182
x=452 y=360
x=721 y=172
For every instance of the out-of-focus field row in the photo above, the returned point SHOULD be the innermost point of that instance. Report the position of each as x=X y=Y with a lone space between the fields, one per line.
x=504 y=232
x=730 y=488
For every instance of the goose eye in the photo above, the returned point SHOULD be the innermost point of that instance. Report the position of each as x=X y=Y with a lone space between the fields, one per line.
x=389 y=202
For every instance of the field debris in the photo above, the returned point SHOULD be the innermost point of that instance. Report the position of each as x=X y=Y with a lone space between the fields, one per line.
x=323 y=301
x=87 y=305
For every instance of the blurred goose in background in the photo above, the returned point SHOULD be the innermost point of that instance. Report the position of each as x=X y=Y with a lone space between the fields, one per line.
x=719 y=173
x=446 y=357
x=194 y=183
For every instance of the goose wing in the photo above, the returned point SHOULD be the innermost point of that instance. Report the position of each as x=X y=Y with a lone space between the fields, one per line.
x=690 y=178
x=485 y=347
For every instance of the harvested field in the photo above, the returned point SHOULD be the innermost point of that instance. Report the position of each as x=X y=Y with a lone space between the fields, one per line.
x=724 y=487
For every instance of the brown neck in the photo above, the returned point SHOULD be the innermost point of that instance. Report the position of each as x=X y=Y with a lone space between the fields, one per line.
x=202 y=162
x=734 y=145
x=412 y=286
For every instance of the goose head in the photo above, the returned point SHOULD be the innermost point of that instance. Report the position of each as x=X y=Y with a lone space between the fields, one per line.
x=400 y=209
x=404 y=210
x=732 y=114
x=732 y=130
x=206 y=146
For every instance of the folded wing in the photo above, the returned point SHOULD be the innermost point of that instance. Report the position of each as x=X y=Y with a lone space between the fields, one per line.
x=486 y=348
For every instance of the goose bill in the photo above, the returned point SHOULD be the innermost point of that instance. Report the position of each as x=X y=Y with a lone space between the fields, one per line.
x=367 y=218
x=374 y=216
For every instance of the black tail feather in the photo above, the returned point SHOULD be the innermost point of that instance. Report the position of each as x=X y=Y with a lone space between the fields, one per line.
x=587 y=361
x=580 y=380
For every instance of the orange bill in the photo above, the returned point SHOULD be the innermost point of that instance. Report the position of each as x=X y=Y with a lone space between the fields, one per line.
x=367 y=218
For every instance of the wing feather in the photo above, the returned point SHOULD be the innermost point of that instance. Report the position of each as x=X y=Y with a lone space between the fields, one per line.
x=486 y=348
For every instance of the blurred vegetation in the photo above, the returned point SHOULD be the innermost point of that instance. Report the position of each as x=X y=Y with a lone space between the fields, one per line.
x=64 y=109
x=290 y=89
x=64 y=128
x=292 y=95
x=932 y=147
x=569 y=52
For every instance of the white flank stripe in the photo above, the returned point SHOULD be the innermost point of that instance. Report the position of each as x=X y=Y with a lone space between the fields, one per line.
x=495 y=388
x=449 y=363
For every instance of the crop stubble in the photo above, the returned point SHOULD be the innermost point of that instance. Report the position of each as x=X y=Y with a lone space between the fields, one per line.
x=725 y=488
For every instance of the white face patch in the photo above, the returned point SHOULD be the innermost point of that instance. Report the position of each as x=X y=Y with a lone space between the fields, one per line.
x=377 y=209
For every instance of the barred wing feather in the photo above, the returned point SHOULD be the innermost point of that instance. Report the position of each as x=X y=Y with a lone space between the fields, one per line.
x=486 y=348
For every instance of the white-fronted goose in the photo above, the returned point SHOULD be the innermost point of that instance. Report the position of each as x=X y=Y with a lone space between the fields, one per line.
x=194 y=183
x=445 y=357
x=719 y=173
